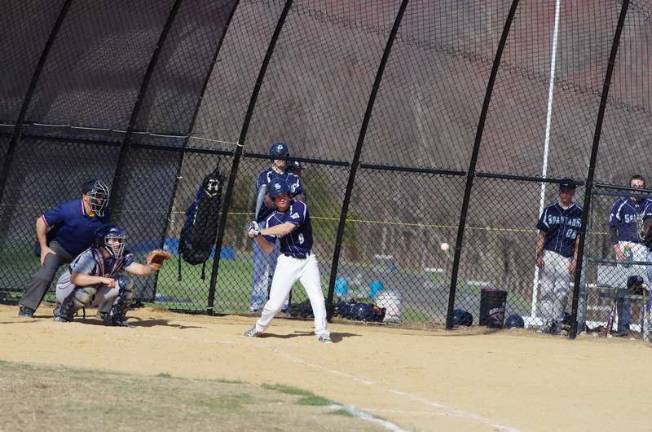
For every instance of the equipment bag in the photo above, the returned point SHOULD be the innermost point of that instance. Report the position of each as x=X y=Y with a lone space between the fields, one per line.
x=200 y=229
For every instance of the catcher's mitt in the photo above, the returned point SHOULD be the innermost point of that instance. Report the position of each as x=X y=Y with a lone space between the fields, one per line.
x=157 y=257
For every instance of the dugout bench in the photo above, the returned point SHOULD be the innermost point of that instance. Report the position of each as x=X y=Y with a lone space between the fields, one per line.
x=610 y=291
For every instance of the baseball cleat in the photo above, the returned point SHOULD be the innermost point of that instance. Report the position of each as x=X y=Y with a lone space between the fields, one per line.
x=325 y=339
x=60 y=319
x=26 y=312
x=252 y=332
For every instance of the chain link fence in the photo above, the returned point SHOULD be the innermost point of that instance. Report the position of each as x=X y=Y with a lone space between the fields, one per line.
x=457 y=121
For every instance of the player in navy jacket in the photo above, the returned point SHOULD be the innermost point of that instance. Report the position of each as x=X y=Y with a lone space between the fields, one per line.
x=556 y=254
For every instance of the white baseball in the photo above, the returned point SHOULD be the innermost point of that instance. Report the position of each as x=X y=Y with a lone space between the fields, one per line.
x=444 y=247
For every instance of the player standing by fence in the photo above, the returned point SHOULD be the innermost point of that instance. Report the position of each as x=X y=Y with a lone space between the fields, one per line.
x=625 y=230
x=263 y=264
x=556 y=254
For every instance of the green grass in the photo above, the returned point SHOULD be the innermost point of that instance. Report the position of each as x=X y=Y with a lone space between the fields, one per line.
x=60 y=398
x=306 y=397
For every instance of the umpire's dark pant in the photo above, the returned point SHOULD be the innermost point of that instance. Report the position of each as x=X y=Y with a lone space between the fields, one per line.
x=40 y=282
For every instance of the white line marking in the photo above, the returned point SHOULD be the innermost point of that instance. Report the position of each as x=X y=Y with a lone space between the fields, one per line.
x=363 y=415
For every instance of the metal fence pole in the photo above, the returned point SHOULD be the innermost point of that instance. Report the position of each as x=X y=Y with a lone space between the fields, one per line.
x=237 y=155
x=474 y=159
x=193 y=120
x=18 y=128
x=591 y=172
x=355 y=163
x=117 y=175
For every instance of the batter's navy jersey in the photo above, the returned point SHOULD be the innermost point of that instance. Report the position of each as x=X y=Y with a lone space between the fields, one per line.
x=72 y=227
x=268 y=176
x=299 y=242
x=627 y=217
x=560 y=227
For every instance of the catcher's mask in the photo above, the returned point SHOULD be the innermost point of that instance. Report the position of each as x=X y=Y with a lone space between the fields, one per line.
x=98 y=192
x=112 y=239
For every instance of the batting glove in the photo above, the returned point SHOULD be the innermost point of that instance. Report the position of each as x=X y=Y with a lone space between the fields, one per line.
x=253 y=229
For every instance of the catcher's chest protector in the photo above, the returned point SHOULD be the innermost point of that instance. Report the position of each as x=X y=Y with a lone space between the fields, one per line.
x=200 y=230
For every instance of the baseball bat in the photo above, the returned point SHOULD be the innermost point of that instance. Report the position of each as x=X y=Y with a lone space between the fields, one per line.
x=610 y=320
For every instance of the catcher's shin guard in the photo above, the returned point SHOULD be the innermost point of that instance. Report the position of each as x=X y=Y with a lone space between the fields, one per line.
x=117 y=315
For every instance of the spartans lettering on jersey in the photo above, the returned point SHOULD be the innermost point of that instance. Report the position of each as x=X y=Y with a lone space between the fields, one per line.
x=564 y=220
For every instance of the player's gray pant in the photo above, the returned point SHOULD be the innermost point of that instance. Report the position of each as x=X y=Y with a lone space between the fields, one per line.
x=555 y=286
x=639 y=253
x=38 y=285
x=99 y=296
x=263 y=271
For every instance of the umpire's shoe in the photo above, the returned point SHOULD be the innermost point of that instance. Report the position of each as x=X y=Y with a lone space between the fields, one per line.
x=26 y=312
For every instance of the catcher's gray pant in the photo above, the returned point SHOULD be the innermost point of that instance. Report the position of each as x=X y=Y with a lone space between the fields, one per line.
x=555 y=286
x=38 y=285
x=99 y=296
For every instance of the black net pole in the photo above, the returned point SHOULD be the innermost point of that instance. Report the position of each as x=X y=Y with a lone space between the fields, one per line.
x=592 y=162
x=18 y=128
x=115 y=183
x=191 y=126
x=474 y=159
x=355 y=163
x=237 y=155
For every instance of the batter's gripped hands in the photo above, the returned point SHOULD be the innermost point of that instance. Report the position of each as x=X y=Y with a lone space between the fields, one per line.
x=620 y=256
x=109 y=282
x=45 y=251
x=540 y=261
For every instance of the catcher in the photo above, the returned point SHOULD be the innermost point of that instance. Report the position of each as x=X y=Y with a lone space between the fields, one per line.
x=97 y=277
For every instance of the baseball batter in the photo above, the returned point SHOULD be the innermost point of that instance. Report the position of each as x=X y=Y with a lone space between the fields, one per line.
x=263 y=264
x=290 y=223
x=625 y=229
x=96 y=277
x=556 y=254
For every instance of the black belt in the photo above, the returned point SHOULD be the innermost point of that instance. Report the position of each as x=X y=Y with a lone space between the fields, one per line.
x=303 y=256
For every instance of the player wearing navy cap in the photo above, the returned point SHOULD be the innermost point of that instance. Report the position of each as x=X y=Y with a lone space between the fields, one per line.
x=290 y=223
x=625 y=229
x=556 y=254
x=63 y=233
x=263 y=264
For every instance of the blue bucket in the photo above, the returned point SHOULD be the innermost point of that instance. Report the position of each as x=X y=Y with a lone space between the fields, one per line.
x=375 y=288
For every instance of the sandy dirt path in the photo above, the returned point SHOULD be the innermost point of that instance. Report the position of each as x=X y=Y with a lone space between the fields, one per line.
x=419 y=380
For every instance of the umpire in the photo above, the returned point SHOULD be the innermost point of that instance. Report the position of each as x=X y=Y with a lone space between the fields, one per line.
x=63 y=233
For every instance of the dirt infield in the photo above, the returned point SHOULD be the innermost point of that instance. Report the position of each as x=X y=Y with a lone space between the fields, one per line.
x=419 y=380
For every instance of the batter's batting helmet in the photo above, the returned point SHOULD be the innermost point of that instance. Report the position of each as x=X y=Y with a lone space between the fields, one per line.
x=514 y=320
x=462 y=317
x=278 y=187
x=279 y=150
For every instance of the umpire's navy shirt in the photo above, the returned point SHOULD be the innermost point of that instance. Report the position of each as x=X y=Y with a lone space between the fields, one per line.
x=560 y=227
x=73 y=228
x=299 y=242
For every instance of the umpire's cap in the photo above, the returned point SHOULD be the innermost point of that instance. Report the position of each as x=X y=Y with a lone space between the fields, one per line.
x=567 y=185
x=278 y=187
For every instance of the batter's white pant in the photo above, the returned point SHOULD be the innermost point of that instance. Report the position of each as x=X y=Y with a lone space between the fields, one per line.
x=288 y=271
x=555 y=286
